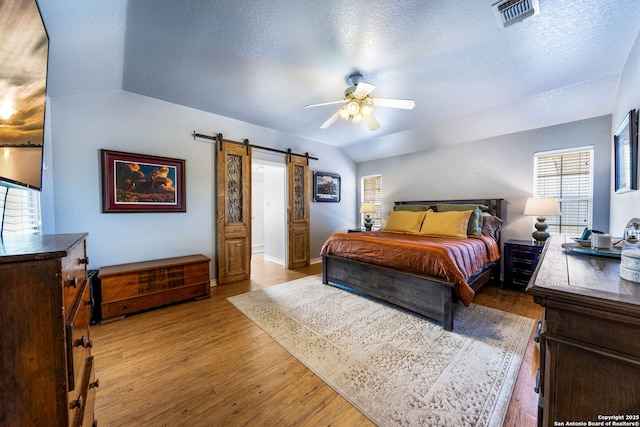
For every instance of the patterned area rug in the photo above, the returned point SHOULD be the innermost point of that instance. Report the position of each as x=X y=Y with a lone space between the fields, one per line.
x=397 y=368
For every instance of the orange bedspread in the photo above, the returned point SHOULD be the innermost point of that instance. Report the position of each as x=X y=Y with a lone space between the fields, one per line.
x=454 y=260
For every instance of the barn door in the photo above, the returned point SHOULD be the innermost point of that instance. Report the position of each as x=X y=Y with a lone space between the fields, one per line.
x=233 y=211
x=299 y=187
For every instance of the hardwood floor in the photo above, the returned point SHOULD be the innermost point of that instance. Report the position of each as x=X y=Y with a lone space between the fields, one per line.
x=203 y=363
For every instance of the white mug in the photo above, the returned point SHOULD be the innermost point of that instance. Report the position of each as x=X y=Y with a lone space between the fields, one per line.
x=600 y=241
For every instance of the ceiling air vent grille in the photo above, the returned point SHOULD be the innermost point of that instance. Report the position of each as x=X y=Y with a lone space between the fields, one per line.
x=509 y=12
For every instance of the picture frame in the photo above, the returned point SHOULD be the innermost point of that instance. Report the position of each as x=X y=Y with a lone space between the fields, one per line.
x=142 y=183
x=625 y=149
x=326 y=187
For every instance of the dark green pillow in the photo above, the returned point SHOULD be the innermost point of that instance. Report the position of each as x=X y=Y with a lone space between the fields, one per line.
x=412 y=208
x=475 y=220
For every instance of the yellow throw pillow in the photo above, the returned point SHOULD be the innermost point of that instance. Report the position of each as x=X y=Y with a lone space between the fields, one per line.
x=446 y=224
x=404 y=222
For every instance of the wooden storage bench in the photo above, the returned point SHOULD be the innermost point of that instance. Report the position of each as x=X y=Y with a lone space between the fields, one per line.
x=130 y=288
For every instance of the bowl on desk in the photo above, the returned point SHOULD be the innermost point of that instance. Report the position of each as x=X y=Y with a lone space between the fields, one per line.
x=582 y=242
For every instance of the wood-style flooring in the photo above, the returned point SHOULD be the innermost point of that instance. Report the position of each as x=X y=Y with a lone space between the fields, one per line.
x=203 y=363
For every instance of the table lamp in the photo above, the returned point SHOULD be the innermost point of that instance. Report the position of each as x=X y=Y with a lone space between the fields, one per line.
x=541 y=207
x=367 y=209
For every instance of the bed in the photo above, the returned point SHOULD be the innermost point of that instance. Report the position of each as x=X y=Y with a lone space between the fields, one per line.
x=388 y=265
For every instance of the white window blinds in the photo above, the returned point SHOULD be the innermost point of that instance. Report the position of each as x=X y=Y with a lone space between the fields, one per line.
x=372 y=193
x=567 y=175
x=19 y=212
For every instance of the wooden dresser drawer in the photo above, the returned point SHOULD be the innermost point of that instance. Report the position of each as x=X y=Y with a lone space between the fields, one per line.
x=144 y=302
x=590 y=327
x=74 y=272
x=82 y=404
x=128 y=285
x=79 y=342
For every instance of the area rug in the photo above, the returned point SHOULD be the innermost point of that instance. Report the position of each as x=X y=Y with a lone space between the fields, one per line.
x=396 y=367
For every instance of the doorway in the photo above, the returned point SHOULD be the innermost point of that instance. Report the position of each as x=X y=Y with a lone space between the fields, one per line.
x=269 y=202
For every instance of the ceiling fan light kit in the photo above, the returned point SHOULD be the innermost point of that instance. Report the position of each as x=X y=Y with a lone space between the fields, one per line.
x=359 y=105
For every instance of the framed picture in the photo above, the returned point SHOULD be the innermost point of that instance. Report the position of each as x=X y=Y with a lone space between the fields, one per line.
x=326 y=187
x=141 y=183
x=625 y=149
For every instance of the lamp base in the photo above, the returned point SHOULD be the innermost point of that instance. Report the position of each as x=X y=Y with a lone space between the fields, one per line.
x=540 y=235
x=367 y=222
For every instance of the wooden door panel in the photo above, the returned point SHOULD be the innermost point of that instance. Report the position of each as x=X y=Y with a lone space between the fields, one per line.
x=233 y=187
x=299 y=249
x=299 y=183
x=236 y=262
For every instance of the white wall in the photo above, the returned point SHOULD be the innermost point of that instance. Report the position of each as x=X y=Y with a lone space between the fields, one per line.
x=500 y=167
x=625 y=206
x=257 y=208
x=275 y=214
x=119 y=120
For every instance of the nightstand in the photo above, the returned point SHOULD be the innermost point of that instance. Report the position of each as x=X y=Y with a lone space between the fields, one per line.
x=520 y=259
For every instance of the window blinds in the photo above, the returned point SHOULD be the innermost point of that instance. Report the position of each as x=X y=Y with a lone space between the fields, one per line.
x=372 y=192
x=19 y=211
x=569 y=177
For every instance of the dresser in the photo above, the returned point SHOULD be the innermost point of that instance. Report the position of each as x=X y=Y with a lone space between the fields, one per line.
x=589 y=338
x=520 y=261
x=47 y=370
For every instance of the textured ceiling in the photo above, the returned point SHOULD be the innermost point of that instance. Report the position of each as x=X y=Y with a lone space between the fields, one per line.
x=263 y=61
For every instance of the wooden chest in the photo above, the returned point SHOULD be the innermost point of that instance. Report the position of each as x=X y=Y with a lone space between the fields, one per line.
x=45 y=346
x=133 y=287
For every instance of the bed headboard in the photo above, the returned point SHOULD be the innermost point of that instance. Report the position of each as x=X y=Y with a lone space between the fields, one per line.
x=495 y=205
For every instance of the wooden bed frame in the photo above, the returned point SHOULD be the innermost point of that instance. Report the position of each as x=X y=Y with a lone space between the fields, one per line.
x=429 y=296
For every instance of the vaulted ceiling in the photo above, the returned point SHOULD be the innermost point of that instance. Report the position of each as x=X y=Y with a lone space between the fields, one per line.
x=262 y=61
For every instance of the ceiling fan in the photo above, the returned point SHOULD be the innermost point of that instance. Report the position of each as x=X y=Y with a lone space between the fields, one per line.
x=359 y=105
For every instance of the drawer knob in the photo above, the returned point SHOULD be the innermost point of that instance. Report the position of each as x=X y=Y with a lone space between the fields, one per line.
x=76 y=403
x=536 y=338
x=73 y=283
x=124 y=307
x=84 y=260
x=81 y=342
x=95 y=384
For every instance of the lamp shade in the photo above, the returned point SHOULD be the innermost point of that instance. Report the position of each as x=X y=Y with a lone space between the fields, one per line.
x=542 y=206
x=367 y=207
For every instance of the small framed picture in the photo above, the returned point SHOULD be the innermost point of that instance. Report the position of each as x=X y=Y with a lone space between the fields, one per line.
x=141 y=183
x=625 y=149
x=326 y=187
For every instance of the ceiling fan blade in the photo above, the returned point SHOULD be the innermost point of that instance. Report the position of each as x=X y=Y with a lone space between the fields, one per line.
x=371 y=122
x=406 y=104
x=331 y=119
x=363 y=89
x=342 y=101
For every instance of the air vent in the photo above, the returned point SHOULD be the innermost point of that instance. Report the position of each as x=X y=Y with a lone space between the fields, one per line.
x=508 y=12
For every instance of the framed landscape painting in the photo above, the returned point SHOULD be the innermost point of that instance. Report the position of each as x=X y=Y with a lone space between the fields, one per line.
x=625 y=149
x=141 y=183
x=326 y=187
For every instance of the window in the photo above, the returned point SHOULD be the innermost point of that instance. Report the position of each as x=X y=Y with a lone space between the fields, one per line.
x=19 y=211
x=372 y=193
x=567 y=175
